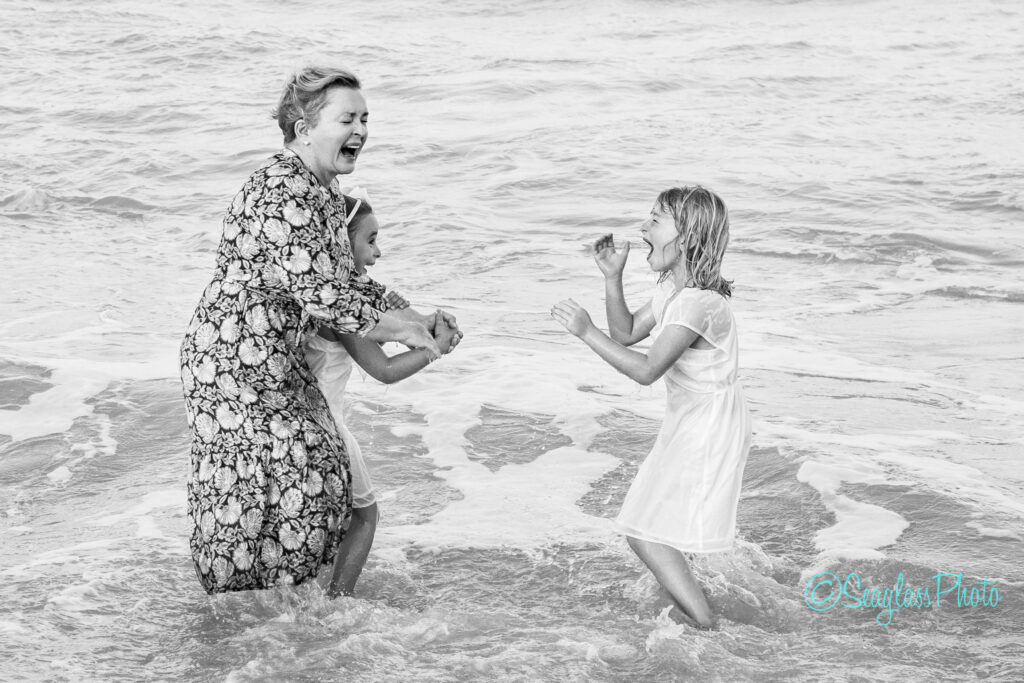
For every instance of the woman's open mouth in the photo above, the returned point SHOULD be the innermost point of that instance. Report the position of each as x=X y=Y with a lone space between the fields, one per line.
x=351 y=150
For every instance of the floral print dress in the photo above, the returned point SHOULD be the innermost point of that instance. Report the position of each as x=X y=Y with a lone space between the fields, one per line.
x=269 y=493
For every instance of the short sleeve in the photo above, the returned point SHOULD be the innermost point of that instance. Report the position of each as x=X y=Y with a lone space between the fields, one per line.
x=703 y=311
x=296 y=221
x=370 y=290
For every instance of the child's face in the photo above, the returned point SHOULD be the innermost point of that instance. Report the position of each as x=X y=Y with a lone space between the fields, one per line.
x=364 y=243
x=659 y=231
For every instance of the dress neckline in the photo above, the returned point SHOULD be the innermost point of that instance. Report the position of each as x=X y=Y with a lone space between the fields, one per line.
x=288 y=152
x=326 y=191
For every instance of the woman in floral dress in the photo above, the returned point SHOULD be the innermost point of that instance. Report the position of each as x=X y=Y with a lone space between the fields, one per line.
x=268 y=495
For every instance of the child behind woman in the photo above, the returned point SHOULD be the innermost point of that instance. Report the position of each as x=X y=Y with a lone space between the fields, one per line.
x=684 y=496
x=330 y=357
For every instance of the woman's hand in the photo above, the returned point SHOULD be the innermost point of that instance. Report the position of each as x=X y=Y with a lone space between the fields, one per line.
x=443 y=326
x=572 y=316
x=395 y=301
x=447 y=338
x=416 y=336
x=610 y=261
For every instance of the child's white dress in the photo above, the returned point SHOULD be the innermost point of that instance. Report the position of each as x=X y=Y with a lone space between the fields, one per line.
x=686 y=491
x=332 y=365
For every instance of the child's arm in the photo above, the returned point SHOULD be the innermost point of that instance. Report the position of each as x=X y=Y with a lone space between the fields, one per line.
x=387 y=369
x=624 y=327
x=639 y=367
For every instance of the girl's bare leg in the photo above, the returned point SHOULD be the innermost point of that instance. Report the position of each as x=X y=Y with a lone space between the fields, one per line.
x=672 y=571
x=353 y=551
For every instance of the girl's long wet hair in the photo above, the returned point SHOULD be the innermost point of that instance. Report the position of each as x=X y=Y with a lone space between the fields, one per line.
x=702 y=221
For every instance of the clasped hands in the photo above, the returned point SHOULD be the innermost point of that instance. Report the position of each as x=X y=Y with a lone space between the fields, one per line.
x=440 y=325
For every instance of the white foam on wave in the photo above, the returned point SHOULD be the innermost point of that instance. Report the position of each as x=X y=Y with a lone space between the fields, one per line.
x=789 y=433
x=964 y=484
x=101 y=444
x=69 y=555
x=528 y=504
x=154 y=500
x=80 y=597
x=802 y=358
x=861 y=528
x=991 y=532
x=520 y=505
x=13 y=627
x=75 y=381
x=768 y=343
x=80 y=363
x=61 y=475
x=147 y=528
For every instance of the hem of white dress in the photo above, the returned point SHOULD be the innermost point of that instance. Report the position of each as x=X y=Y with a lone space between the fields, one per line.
x=365 y=502
x=716 y=546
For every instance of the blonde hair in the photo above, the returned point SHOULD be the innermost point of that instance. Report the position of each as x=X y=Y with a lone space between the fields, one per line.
x=305 y=93
x=702 y=221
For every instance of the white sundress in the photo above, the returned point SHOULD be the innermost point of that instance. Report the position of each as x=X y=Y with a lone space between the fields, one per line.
x=686 y=491
x=332 y=366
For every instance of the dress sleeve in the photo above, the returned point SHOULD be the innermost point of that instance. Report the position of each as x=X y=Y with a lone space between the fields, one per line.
x=703 y=311
x=305 y=257
x=370 y=290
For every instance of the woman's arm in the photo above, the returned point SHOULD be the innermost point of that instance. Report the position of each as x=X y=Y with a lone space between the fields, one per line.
x=642 y=368
x=415 y=335
x=410 y=314
x=379 y=365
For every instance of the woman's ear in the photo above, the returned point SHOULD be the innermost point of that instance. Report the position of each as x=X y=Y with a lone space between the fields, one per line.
x=301 y=131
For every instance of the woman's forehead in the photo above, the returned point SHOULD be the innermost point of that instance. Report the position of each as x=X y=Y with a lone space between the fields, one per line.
x=345 y=101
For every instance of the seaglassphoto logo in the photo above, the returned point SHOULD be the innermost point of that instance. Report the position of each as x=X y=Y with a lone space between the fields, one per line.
x=825 y=591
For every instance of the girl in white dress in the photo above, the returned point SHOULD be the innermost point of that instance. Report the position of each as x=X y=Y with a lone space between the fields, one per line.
x=685 y=494
x=330 y=357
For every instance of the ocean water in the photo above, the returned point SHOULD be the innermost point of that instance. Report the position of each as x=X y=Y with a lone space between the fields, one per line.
x=872 y=159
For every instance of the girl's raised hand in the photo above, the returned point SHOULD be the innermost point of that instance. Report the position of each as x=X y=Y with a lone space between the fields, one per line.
x=610 y=261
x=572 y=316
